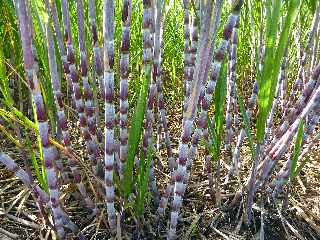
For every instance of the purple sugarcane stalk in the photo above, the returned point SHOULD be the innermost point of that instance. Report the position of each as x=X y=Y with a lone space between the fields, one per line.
x=51 y=7
x=299 y=106
x=147 y=36
x=286 y=125
x=298 y=84
x=283 y=175
x=211 y=84
x=242 y=134
x=190 y=57
x=162 y=120
x=202 y=124
x=161 y=107
x=205 y=131
x=62 y=121
x=49 y=151
x=200 y=75
x=309 y=146
x=181 y=173
x=124 y=74
x=303 y=57
x=41 y=196
x=275 y=102
x=108 y=60
x=188 y=60
x=98 y=67
x=96 y=49
x=91 y=143
x=276 y=151
x=230 y=87
x=87 y=91
x=59 y=163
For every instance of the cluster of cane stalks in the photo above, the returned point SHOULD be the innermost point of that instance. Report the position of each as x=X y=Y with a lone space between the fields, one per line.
x=121 y=163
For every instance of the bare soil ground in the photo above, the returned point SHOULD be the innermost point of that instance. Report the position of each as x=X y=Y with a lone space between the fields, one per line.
x=200 y=218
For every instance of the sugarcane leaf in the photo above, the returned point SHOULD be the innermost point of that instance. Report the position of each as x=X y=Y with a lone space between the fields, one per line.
x=212 y=134
x=219 y=104
x=135 y=133
x=271 y=67
x=296 y=151
x=300 y=167
x=290 y=18
x=9 y=136
x=4 y=83
x=40 y=177
x=143 y=179
x=265 y=82
x=246 y=123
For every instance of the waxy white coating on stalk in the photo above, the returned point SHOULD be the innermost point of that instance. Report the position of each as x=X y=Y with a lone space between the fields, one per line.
x=199 y=79
x=87 y=91
x=62 y=121
x=124 y=74
x=276 y=150
x=231 y=93
x=108 y=61
x=299 y=106
x=71 y=70
x=96 y=49
x=49 y=151
x=162 y=120
x=189 y=58
x=283 y=175
x=147 y=38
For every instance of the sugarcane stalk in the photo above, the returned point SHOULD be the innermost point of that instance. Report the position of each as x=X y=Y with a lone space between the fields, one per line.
x=200 y=75
x=96 y=49
x=124 y=75
x=41 y=196
x=181 y=170
x=87 y=91
x=275 y=102
x=188 y=60
x=299 y=106
x=303 y=58
x=276 y=151
x=161 y=108
x=52 y=9
x=283 y=175
x=203 y=121
x=147 y=36
x=91 y=143
x=211 y=84
x=98 y=67
x=62 y=121
x=49 y=151
x=108 y=60
x=230 y=87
